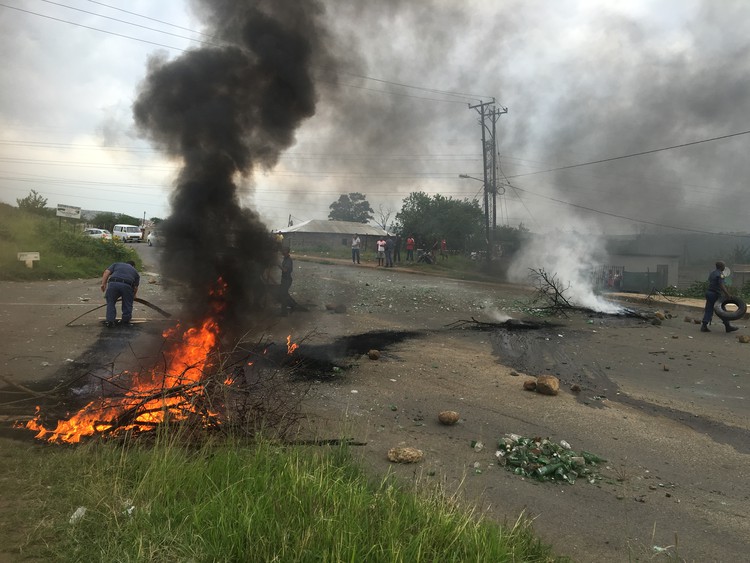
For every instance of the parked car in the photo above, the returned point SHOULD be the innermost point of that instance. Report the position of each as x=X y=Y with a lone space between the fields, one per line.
x=98 y=233
x=155 y=238
x=127 y=233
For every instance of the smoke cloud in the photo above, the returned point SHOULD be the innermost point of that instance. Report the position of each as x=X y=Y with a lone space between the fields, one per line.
x=571 y=258
x=223 y=112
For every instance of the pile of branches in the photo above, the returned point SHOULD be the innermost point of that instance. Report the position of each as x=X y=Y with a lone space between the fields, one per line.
x=549 y=298
x=242 y=394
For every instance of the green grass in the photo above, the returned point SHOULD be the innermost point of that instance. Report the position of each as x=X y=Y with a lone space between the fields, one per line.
x=64 y=252
x=229 y=502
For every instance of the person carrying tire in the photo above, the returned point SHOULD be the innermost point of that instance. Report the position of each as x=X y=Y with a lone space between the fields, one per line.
x=716 y=289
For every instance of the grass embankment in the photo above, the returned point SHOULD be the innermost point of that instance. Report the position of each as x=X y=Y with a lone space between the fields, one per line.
x=64 y=252
x=227 y=502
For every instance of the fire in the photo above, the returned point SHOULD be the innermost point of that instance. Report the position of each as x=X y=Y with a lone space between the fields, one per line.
x=290 y=346
x=153 y=396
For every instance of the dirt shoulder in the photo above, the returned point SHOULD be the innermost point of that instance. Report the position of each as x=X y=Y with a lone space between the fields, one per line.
x=675 y=438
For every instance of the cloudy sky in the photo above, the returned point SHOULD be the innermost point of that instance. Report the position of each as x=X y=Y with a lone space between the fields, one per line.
x=584 y=82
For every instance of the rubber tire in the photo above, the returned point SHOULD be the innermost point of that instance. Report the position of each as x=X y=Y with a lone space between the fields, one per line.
x=724 y=315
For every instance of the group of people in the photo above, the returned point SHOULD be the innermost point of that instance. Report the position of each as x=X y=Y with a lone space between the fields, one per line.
x=388 y=250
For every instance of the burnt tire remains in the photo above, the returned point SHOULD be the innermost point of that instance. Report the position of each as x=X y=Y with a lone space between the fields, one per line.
x=720 y=308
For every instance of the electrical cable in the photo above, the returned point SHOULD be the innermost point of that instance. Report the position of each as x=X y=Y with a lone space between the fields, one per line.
x=652 y=151
x=380 y=80
x=617 y=216
x=129 y=23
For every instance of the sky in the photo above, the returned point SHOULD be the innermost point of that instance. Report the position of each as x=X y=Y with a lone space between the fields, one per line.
x=587 y=86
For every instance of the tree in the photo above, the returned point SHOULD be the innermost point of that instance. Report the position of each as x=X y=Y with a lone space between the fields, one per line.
x=429 y=219
x=510 y=238
x=384 y=217
x=351 y=207
x=33 y=203
x=107 y=220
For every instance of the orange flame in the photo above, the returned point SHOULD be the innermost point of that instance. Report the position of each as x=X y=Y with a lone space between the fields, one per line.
x=146 y=403
x=290 y=346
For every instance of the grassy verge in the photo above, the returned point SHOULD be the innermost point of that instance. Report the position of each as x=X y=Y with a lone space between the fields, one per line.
x=227 y=502
x=64 y=252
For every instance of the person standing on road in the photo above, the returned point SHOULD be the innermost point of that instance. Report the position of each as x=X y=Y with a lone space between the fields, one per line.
x=120 y=281
x=410 y=248
x=356 y=242
x=381 y=251
x=716 y=288
x=287 y=267
x=389 y=252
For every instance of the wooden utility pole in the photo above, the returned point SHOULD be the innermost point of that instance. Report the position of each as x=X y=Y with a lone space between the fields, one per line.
x=488 y=116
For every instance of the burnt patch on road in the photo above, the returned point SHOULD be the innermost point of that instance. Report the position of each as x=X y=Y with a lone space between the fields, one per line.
x=321 y=360
x=548 y=351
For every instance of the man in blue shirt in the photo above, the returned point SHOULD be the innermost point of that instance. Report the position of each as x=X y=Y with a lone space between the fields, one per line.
x=716 y=289
x=120 y=280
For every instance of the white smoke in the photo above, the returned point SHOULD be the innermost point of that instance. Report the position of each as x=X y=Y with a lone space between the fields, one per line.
x=572 y=258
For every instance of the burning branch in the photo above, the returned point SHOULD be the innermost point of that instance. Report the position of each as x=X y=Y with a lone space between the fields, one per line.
x=197 y=387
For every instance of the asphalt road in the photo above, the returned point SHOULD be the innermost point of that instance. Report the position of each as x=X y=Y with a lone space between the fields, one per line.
x=665 y=404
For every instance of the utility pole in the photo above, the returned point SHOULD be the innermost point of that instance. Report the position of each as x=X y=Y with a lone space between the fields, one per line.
x=488 y=116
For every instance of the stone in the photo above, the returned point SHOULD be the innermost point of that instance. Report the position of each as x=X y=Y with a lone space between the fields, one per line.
x=656 y=322
x=659 y=315
x=575 y=388
x=547 y=385
x=688 y=320
x=373 y=354
x=449 y=418
x=340 y=309
x=744 y=338
x=530 y=385
x=405 y=454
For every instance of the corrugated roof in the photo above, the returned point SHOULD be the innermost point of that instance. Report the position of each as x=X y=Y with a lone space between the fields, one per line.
x=335 y=227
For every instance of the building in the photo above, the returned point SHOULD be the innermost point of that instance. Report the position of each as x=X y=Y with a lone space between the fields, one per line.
x=318 y=233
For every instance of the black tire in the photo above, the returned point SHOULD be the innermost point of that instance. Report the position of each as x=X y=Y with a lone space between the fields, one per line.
x=720 y=308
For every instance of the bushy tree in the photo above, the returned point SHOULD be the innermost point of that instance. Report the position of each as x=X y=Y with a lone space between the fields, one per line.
x=107 y=220
x=33 y=203
x=351 y=207
x=429 y=219
x=510 y=238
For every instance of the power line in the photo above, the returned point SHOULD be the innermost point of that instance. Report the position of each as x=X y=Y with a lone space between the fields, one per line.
x=617 y=216
x=380 y=80
x=128 y=23
x=148 y=18
x=92 y=28
x=632 y=154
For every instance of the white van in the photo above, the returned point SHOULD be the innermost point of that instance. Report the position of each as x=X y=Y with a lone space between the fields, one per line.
x=127 y=233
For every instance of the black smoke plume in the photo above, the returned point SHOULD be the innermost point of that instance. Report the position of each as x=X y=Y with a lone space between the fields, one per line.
x=223 y=111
